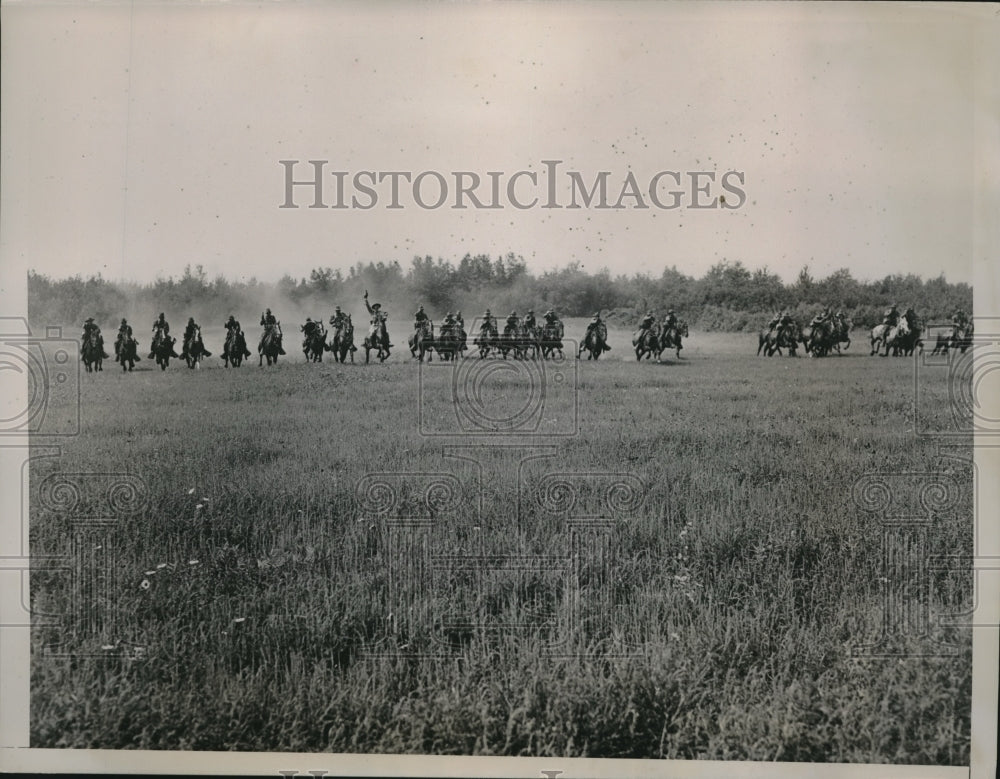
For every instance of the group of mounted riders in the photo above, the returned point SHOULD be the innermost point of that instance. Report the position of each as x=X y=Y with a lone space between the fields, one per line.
x=127 y=348
x=652 y=338
x=898 y=333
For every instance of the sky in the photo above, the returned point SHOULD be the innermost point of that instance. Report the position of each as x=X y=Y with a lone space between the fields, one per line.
x=140 y=138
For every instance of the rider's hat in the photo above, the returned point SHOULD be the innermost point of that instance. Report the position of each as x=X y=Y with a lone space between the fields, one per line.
x=90 y=319
x=309 y=319
x=670 y=311
x=191 y=319
x=123 y=321
x=513 y=313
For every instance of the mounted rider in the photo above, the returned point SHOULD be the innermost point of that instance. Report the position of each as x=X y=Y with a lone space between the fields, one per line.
x=124 y=332
x=234 y=331
x=488 y=326
x=189 y=330
x=595 y=322
x=822 y=321
x=840 y=325
x=647 y=321
x=160 y=332
x=449 y=324
x=512 y=323
x=420 y=319
x=91 y=328
x=529 y=320
x=379 y=319
x=270 y=324
x=960 y=320
x=891 y=316
x=339 y=318
x=552 y=323
x=308 y=330
x=911 y=318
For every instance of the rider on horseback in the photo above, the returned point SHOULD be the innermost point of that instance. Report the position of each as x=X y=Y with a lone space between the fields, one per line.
x=647 y=321
x=233 y=331
x=420 y=319
x=90 y=328
x=379 y=318
x=124 y=332
x=512 y=322
x=891 y=317
x=911 y=318
x=529 y=320
x=308 y=330
x=594 y=323
x=270 y=324
x=189 y=331
x=160 y=331
x=669 y=320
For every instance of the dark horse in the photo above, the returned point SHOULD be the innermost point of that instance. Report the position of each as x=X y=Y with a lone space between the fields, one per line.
x=126 y=352
x=551 y=339
x=235 y=349
x=315 y=344
x=594 y=342
x=163 y=350
x=194 y=349
x=646 y=343
x=782 y=337
x=343 y=340
x=92 y=352
x=487 y=339
x=378 y=340
x=448 y=343
x=270 y=346
x=422 y=341
x=670 y=338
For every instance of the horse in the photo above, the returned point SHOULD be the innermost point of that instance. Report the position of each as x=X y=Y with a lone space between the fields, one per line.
x=270 y=345
x=551 y=339
x=126 y=352
x=448 y=343
x=594 y=342
x=818 y=340
x=377 y=340
x=235 y=349
x=194 y=349
x=646 y=343
x=315 y=344
x=163 y=350
x=422 y=341
x=512 y=341
x=486 y=340
x=92 y=352
x=343 y=340
x=900 y=338
x=670 y=337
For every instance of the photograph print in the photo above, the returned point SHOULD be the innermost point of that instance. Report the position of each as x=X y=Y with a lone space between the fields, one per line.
x=500 y=388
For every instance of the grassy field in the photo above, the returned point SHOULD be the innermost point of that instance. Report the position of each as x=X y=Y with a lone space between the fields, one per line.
x=259 y=600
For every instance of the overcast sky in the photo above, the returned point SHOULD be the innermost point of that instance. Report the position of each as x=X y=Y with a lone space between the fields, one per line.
x=139 y=139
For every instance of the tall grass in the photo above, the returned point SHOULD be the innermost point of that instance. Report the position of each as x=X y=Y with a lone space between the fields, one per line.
x=719 y=626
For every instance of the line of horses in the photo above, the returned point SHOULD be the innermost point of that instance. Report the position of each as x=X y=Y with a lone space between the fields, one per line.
x=127 y=351
x=654 y=341
x=899 y=340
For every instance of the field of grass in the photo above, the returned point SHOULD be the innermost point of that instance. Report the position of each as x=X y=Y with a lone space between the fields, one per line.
x=262 y=598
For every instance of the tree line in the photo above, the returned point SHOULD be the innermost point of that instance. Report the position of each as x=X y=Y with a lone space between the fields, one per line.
x=728 y=297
